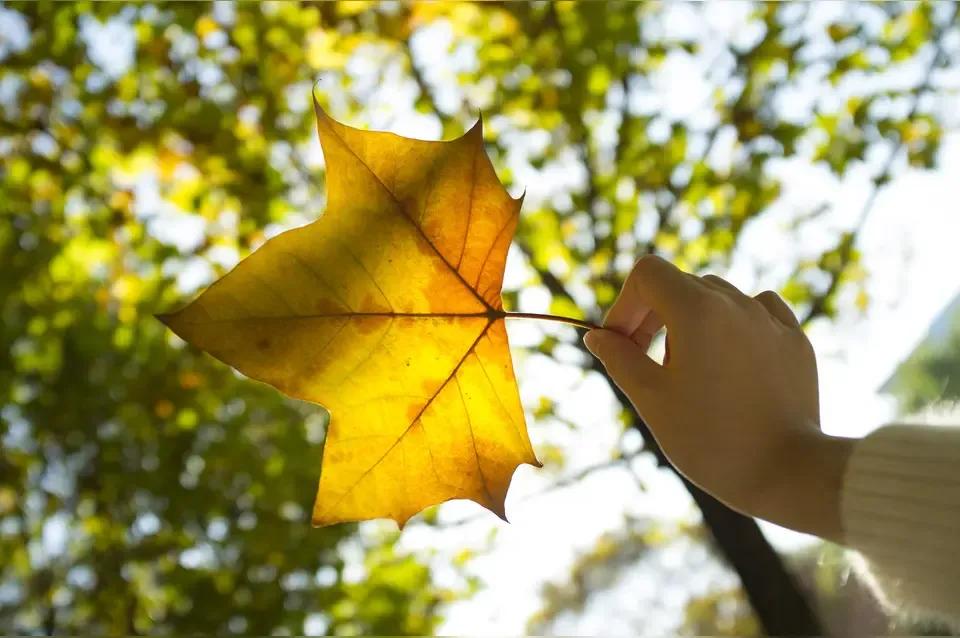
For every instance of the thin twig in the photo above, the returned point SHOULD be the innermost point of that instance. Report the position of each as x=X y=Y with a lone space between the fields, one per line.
x=579 y=323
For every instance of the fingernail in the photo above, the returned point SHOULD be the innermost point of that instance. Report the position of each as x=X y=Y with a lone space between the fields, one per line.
x=591 y=340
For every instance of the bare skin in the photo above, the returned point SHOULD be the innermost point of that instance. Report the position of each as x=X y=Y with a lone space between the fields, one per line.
x=735 y=406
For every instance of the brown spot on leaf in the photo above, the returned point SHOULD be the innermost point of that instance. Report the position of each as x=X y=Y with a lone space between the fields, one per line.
x=371 y=303
x=413 y=411
x=424 y=247
x=430 y=387
x=367 y=325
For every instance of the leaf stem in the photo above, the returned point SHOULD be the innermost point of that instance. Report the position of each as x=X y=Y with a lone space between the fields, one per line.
x=579 y=323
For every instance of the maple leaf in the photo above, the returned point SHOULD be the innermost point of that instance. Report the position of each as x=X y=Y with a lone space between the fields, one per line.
x=386 y=310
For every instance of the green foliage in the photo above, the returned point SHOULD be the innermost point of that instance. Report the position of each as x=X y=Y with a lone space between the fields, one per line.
x=144 y=488
x=930 y=376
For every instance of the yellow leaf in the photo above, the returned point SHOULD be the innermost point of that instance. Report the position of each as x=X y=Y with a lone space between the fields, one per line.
x=387 y=311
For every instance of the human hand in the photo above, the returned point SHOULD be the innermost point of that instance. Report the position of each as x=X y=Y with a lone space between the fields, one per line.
x=735 y=406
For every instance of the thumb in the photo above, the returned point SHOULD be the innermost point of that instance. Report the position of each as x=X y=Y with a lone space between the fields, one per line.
x=626 y=362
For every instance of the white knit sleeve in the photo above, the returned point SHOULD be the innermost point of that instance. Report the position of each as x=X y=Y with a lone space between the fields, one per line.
x=901 y=510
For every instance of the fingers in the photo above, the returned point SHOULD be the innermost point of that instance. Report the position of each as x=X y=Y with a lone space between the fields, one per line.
x=770 y=300
x=721 y=283
x=645 y=332
x=653 y=286
x=778 y=308
x=626 y=362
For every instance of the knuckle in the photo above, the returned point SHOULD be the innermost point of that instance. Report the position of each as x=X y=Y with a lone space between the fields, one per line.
x=767 y=301
x=644 y=270
x=713 y=281
x=649 y=259
x=646 y=264
x=710 y=302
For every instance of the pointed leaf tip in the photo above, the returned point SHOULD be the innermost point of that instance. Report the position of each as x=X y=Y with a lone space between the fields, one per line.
x=167 y=318
x=475 y=131
x=500 y=509
x=317 y=109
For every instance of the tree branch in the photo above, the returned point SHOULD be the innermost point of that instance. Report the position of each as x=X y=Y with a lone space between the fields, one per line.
x=426 y=93
x=818 y=305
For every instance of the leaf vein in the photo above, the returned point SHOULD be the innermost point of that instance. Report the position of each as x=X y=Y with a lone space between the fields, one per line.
x=345 y=315
x=486 y=257
x=466 y=230
x=363 y=267
x=416 y=418
x=316 y=275
x=410 y=220
x=473 y=442
x=373 y=349
x=265 y=284
x=497 y=394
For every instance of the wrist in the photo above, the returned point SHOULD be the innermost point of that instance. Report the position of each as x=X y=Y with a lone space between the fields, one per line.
x=806 y=485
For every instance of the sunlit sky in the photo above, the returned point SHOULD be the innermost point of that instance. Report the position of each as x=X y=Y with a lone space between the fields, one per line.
x=908 y=243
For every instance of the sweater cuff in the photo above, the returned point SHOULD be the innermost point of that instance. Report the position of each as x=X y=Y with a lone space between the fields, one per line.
x=900 y=508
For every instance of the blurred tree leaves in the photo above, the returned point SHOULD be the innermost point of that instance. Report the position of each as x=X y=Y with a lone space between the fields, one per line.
x=611 y=568
x=140 y=483
x=929 y=378
x=145 y=148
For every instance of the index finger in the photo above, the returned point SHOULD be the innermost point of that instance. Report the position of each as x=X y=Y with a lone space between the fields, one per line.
x=654 y=286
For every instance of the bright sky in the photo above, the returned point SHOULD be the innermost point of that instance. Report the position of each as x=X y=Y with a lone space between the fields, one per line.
x=908 y=245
